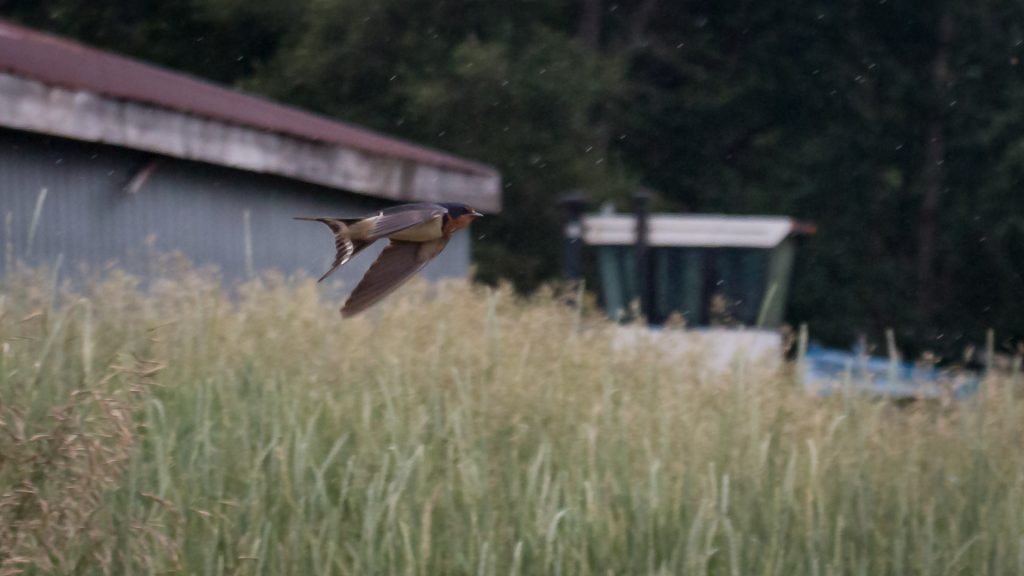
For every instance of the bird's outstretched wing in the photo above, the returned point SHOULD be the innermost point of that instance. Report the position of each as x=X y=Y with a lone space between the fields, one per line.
x=393 y=220
x=396 y=264
x=352 y=235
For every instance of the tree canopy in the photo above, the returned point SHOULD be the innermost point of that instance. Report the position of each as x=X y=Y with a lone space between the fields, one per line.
x=895 y=125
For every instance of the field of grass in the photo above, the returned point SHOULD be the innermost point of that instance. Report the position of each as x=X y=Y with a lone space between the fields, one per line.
x=175 y=429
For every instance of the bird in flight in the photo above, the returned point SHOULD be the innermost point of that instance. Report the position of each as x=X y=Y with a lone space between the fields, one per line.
x=416 y=233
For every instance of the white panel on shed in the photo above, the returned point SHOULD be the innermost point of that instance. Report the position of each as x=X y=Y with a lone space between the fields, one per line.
x=703 y=231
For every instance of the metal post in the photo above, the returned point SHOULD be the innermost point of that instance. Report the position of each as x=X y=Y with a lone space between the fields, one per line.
x=573 y=203
x=644 y=284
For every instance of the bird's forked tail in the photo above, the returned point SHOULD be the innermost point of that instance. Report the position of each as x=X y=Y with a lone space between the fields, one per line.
x=345 y=247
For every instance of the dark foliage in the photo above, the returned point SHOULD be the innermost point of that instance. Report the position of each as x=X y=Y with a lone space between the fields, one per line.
x=894 y=125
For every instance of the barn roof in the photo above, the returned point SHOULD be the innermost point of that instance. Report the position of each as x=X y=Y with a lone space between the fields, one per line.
x=81 y=92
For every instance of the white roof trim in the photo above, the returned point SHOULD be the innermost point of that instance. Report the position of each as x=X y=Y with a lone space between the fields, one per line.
x=695 y=231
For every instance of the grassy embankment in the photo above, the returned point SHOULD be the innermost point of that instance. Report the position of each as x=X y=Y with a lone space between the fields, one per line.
x=177 y=430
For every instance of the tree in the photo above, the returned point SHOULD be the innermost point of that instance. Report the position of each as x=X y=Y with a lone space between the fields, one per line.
x=512 y=88
x=223 y=40
x=893 y=125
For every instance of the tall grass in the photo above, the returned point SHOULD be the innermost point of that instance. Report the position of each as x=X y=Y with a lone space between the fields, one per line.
x=175 y=429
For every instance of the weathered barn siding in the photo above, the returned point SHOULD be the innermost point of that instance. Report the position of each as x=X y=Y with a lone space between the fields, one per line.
x=89 y=218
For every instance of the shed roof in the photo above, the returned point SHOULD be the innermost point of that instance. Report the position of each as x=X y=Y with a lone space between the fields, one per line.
x=72 y=67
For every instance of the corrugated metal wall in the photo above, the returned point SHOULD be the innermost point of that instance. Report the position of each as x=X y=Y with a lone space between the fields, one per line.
x=198 y=209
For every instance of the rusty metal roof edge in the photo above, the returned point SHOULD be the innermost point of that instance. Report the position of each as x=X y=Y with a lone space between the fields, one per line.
x=30 y=105
x=345 y=134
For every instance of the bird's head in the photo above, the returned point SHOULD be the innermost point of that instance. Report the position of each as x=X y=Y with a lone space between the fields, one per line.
x=459 y=216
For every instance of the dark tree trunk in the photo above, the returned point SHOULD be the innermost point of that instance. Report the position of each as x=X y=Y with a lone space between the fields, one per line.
x=589 y=31
x=934 y=173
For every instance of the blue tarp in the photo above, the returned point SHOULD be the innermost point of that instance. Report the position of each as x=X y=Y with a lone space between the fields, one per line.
x=826 y=371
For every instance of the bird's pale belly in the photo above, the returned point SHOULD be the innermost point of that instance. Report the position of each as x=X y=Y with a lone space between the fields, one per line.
x=430 y=230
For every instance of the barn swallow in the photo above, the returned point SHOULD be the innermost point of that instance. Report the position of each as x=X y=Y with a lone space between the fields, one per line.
x=416 y=232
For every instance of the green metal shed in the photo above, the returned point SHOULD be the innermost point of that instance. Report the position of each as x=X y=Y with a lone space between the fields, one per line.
x=705 y=269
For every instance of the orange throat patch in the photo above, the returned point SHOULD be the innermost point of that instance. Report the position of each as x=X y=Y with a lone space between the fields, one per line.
x=458 y=223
